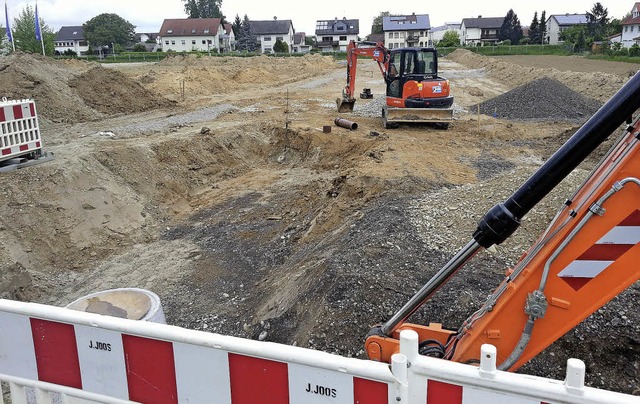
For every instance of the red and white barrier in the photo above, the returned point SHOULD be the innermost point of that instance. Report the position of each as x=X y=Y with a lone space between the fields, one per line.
x=149 y=362
x=19 y=129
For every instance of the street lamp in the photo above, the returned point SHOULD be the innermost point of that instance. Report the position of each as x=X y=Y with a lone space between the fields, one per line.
x=113 y=50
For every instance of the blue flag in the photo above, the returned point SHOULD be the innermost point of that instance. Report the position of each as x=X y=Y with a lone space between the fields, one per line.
x=38 y=33
x=8 y=28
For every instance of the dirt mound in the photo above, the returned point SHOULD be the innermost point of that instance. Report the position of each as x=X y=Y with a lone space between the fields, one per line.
x=598 y=85
x=45 y=80
x=541 y=99
x=110 y=91
x=204 y=76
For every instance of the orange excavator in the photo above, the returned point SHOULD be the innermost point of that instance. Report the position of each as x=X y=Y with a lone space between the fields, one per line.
x=415 y=92
x=588 y=254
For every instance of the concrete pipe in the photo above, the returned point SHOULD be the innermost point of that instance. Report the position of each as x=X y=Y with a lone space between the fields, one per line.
x=343 y=123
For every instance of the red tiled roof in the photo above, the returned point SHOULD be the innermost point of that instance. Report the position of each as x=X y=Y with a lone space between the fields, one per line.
x=190 y=27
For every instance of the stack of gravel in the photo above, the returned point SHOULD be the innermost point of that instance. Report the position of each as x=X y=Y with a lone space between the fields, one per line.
x=543 y=99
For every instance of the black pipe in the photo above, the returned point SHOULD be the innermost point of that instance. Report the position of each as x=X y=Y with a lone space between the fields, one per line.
x=503 y=219
x=346 y=124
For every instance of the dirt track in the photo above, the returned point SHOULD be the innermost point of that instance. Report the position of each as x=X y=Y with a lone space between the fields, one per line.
x=242 y=226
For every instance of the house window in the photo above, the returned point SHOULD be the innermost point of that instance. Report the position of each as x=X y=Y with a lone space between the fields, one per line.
x=396 y=35
x=193 y=31
x=166 y=42
x=390 y=35
x=279 y=38
x=340 y=28
x=343 y=37
x=204 y=42
x=402 y=35
x=206 y=31
x=169 y=31
x=267 y=39
x=75 y=32
x=193 y=42
x=173 y=42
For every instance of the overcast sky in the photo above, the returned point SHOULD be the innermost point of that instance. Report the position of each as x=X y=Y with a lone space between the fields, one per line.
x=147 y=15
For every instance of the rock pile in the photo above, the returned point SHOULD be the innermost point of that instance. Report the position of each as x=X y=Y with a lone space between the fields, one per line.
x=542 y=99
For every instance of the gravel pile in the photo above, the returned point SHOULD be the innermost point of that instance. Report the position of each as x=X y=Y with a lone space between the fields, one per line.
x=544 y=99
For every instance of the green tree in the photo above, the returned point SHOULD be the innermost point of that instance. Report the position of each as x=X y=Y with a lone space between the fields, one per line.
x=376 y=26
x=236 y=26
x=248 y=40
x=280 y=46
x=450 y=38
x=613 y=27
x=543 y=27
x=310 y=40
x=106 y=29
x=139 y=48
x=597 y=20
x=24 y=33
x=203 y=8
x=534 y=29
x=511 y=28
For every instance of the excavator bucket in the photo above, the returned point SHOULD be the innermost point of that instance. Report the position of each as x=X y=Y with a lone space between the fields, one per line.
x=345 y=105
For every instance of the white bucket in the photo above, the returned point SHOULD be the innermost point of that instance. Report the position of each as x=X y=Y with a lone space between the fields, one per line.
x=131 y=303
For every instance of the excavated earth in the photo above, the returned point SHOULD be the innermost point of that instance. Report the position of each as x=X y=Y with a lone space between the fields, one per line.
x=210 y=182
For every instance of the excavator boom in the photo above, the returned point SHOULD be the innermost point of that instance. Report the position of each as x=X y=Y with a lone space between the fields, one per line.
x=585 y=258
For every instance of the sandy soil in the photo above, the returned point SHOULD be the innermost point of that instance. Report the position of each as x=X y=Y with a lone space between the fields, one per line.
x=211 y=183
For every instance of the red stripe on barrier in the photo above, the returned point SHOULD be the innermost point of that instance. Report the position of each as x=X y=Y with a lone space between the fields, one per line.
x=151 y=373
x=255 y=380
x=443 y=393
x=32 y=109
x=6 y=151
x=17 y=112
x=632 y=220
x=24 y=147
x=56 y=353
x=605 y=252
x=3 y=117
x=369 y=392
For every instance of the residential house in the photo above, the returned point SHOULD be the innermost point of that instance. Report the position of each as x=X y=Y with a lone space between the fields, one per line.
x=631 y=28
x=192 y=34
x=71 y=38
x=401 y=31
x=335 y=35
x=377 y=38
x=269 y=31
x=480 y=31
x=437 y=33
x=228 y=39
x=150 y=41
x=299 y=43
x=559 y=22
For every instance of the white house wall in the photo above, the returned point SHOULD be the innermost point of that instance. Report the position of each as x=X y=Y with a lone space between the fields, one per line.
x=629 y=32
x=268 y=41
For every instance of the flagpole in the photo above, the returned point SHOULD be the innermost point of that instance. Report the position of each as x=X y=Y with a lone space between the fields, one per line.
x=8 y=28
x=39 y=30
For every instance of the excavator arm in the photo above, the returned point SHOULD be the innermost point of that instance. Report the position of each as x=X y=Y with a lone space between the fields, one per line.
x=377 y=52
x=587 y=256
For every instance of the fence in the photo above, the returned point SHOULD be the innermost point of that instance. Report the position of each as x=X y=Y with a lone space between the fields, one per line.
x=91 y=357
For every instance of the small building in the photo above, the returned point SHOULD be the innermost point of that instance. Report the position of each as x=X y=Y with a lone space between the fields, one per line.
x=335 y=35
x=192 y=34
x=560 y=22
x=631 y=28
x=300 y=43
x=437 y=33
x=150 y=41
x=228 y=39
x=377 y=38
x=71 y=38
x=403 y=31
x=269 y=31
x=480 y=31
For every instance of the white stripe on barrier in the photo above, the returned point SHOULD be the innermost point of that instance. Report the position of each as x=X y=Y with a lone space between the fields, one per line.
x=474 y=396
x=101 y=358
x=201 y=373
x=317 y=386
x=584 y=268
x=17 y=354
x=622 y=235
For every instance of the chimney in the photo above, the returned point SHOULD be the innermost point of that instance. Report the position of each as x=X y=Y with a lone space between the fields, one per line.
x=479 y=16
x=275 y=18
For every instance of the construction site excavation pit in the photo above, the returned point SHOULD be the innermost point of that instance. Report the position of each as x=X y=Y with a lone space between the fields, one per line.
x=230 y=202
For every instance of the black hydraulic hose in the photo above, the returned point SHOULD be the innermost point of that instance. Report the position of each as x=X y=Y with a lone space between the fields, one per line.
x=503 y=219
